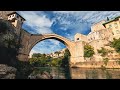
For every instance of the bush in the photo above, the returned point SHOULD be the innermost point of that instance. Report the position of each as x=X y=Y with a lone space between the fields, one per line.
x=103 y=51
x=105 y=60
x=116 y=44
x=88 y=51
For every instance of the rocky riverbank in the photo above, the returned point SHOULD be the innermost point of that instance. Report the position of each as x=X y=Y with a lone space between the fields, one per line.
x=7 y=72
x=43 y=75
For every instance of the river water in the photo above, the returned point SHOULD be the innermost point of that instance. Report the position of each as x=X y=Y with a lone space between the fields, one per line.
x=82 y=73
x=78 y=73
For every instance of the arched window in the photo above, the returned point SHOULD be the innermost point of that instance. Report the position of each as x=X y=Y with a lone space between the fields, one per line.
x=77 y=38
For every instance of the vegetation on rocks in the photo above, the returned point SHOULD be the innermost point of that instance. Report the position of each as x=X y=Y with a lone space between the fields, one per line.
x=103 y=51
x=41 y=60
x=88 y=51
x=105 y=60
x=116 y=44
x=8 y=44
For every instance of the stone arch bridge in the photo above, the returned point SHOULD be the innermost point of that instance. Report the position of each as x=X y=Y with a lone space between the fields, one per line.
x=28 y=41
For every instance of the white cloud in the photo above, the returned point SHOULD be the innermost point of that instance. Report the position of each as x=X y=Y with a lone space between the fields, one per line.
x=40 y=23
x=85 y=16
x=55 y=42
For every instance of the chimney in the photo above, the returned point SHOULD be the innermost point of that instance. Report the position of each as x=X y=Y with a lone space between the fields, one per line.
x=107 y=19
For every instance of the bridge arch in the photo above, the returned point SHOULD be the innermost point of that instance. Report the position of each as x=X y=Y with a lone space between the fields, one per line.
x=40 y=38
x=28 y=41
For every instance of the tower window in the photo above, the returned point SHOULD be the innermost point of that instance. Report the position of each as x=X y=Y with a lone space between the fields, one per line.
x=77 y=38
x=17 y=16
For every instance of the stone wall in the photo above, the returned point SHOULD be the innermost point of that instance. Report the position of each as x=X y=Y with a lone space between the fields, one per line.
x=80 y=37
x=97 y=26
x=23 y=50
x=97 y=64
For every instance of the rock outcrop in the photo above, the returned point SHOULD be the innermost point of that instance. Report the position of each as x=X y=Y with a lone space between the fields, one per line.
x=44 y=75
x=7 y=72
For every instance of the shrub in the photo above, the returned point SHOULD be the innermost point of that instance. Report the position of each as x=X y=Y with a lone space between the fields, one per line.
x=105 y=60
x=116 y=44
x=88 y=51
x=103 y=51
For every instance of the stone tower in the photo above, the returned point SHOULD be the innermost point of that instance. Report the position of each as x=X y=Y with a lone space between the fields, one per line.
x=14 y=18
x=4 y=14
x=17 y=21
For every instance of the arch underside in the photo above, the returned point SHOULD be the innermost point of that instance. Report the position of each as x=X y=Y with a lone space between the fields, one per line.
x=55 y=38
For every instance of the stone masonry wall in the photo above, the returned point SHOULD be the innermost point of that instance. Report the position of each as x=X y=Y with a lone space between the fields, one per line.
x=98 y=64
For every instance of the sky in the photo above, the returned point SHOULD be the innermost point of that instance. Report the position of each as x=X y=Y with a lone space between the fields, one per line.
x=64 y=23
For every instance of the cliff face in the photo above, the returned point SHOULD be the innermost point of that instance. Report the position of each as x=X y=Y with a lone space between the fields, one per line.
x=8 y=43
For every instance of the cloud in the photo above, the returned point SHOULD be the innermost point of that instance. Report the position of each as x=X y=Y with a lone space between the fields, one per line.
x=37 y=21
x=68 y=17
x=80 y=21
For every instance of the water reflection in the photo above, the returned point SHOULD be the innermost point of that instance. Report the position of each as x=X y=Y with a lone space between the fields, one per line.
x=82 y=73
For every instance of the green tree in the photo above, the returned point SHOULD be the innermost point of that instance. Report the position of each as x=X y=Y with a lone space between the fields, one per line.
x=56 y=62
x=105 y=60
x=65 y=60
x=39 y=59
x=67 y=53
x=116 y=44
x=36 y=55
x=88 y=51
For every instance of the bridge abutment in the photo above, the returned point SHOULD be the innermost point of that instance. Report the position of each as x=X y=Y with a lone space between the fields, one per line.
x=23 y=57
x=77 y=52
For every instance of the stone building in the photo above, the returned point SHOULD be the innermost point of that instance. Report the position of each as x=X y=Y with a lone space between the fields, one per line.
x=80 y=37
x=14 y=18
x=97 y=26
x=113 y=25
x=101 y=33
x=58 y=54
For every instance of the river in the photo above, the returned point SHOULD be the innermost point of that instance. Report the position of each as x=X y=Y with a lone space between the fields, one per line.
x=82 y=73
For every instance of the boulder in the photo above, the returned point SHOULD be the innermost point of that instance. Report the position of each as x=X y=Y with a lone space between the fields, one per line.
x=7 y=72
x=44 y=75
